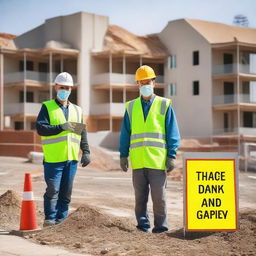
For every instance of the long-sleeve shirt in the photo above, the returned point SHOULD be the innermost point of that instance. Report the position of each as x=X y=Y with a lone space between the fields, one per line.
x=45 y=129
x=171 y=129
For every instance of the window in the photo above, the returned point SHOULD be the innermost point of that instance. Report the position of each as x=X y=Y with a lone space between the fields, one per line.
x=43 y=96
x=57 y=65
x=18 y=126
x=29 y=98
x=172 y=61
x=43 y=67
x=249 y=119
x=195 y=87
x=172 y=89
x=29 y=65
x=196 y=58
x=33 y=125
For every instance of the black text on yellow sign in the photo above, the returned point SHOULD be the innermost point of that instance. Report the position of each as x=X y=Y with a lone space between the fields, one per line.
x=211 y=195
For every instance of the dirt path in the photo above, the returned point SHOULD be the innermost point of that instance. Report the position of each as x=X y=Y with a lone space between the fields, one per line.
x=109 y=228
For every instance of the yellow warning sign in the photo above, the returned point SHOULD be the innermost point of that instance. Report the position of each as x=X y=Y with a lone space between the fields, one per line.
x=211 y=200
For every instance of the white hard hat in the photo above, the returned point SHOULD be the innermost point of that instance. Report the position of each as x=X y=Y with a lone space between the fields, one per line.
x=64 y=78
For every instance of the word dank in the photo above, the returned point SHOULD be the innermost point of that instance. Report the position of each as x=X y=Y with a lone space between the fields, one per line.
x=212 y=214
x=205 y=189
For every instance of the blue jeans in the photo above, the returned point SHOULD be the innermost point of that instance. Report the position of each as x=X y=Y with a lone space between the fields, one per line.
x=59 y=178
x=144 y=180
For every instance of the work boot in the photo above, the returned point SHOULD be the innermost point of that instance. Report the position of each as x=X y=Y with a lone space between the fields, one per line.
x=48 y=223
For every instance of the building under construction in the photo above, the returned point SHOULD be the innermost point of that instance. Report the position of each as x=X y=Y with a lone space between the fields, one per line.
x=207 y=69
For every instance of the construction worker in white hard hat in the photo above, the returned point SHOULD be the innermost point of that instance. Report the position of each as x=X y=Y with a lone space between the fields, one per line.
x=63 y=134
x=150 y=137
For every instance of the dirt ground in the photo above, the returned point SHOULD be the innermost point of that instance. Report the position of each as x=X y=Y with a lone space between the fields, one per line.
x=102 y=218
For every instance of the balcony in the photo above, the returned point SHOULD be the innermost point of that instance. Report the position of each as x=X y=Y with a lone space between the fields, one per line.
x=18 y=108
x=233 y=69
x=232 y=99
x=118 y=79
x=41 y=77
x=114 y=109
x=247 y=131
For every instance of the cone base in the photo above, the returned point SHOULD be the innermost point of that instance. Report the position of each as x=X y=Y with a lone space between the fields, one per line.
x=28 y=216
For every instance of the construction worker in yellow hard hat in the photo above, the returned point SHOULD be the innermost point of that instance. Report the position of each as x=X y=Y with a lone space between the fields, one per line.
x=60 y=124
x=150 y=137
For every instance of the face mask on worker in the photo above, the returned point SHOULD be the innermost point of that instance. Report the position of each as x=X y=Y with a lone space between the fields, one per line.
x=63 y=94
x=146 y=90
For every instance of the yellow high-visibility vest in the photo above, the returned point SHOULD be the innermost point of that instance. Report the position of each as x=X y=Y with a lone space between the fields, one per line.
x=65 y=145
x=148 y=143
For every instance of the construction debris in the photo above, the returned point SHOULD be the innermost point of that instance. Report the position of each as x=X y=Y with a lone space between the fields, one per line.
x=10 y=206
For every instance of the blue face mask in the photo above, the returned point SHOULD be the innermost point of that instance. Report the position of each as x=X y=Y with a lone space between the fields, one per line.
x=63 y=94
x=146 y=90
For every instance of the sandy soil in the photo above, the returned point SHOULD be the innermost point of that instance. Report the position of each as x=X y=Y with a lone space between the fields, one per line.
x=102 y=219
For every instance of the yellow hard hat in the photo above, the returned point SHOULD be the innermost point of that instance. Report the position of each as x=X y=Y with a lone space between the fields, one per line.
x=145 y=72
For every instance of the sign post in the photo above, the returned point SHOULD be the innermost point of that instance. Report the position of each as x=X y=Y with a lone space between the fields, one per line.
x=210 y=191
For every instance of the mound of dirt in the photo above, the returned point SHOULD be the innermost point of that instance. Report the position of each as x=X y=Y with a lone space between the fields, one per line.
x=10 y=205
x=86 y=228
x=189 y=143
x=90 y=231
x=101 y=159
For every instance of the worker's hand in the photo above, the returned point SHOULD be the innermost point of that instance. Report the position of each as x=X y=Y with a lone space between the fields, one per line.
x=169 y=164
x=67 y=127
x=78 y=127
x=124 y=163
x=85 y=160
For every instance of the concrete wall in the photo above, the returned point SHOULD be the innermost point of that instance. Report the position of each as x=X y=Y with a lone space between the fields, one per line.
x=33 y=39
x=106 y=139
x=93 y=29
x=19 y=143
x=82 y=31
x=181 y=40
x=10 y=64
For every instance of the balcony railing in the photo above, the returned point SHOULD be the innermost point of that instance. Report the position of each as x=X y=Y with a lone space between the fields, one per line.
x=18 y=108
x=235 y=130
x=42 y=77
x=116 y=109
x=232 y=99
x=233 y=69
x=116 y=78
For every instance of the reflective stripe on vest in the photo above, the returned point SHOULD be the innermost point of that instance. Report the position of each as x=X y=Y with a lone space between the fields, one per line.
x=148 y=135
x=148 y=140
x=148 y=143
x=59 y=139
x=65 y=145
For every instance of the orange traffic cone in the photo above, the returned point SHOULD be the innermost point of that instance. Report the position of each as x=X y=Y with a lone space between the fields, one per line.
x=28 y=210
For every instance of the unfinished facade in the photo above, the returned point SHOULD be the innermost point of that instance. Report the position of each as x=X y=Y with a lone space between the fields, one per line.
x=208 y=69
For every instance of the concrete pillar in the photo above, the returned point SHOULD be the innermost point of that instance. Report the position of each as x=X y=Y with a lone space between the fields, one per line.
x=238 y=98
x=110 y=63
x=125 y=82
x=50 y=74
x=61 y=63
x=24 y=91
x=1 y=90
x=110 y=92
x=110 y=101
x=140 y=60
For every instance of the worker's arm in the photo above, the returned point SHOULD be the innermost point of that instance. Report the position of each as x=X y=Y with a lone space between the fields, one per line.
x=84 y=142
x=125 y=136
x=172 y=133
x=43 y=126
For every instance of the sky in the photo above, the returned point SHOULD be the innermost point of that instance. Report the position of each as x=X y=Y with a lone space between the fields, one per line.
x=138 y=16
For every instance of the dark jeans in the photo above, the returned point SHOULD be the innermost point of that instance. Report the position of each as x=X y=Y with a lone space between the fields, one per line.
x=144 y=180
x=59 y=178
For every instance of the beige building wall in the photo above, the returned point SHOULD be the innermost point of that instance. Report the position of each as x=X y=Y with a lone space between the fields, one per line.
x=194 y=113
x=10 y=64
x=82 y=31
x=93 y=30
